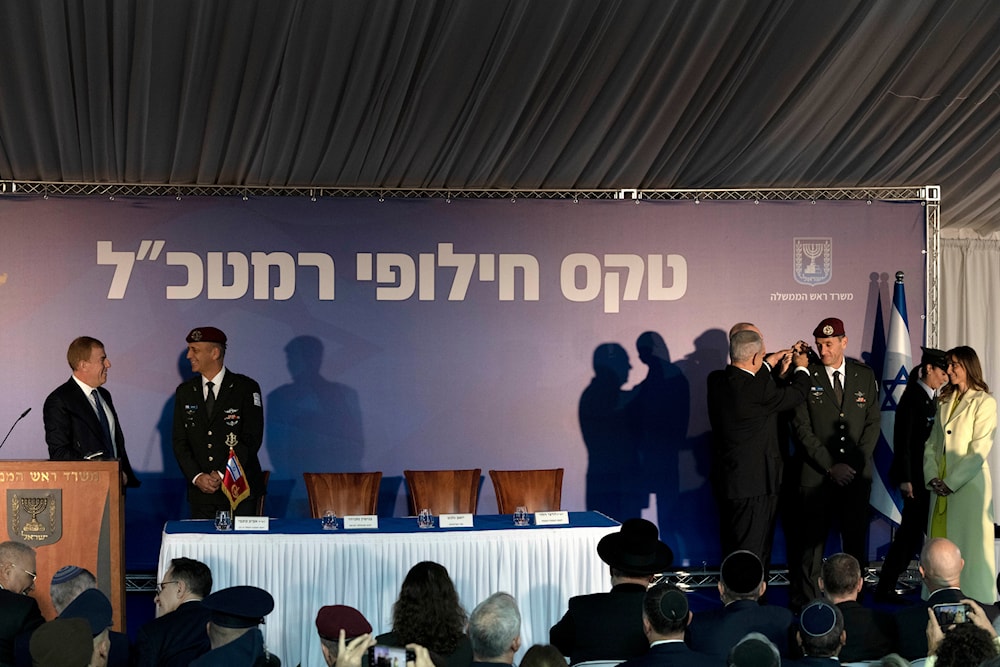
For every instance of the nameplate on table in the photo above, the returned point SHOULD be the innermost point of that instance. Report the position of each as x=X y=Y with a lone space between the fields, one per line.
x=256 y=523
x=361 y=522
x=455 y=521
x=560 y=518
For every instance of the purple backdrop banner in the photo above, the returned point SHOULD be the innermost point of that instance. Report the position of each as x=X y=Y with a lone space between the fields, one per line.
x=433 y=334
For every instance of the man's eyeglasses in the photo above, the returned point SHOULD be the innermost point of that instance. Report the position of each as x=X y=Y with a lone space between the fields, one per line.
x=159 y=586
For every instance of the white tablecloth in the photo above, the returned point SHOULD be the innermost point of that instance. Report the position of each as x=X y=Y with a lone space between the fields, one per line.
x=541 y=567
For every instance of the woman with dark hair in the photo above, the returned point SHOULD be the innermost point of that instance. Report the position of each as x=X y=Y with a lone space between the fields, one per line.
x=428 y=613
x=955 y=463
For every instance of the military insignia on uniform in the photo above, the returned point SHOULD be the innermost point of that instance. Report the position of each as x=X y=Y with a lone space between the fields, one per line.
x=195 y=335
x=256 y=399
x=812 y=260
x=859 y=399
x=817 y=392
x=190 y=409
x=231 y=418
x=35 y=516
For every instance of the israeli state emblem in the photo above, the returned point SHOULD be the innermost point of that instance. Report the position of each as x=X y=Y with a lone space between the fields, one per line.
x=34 y=516
x=812 y=260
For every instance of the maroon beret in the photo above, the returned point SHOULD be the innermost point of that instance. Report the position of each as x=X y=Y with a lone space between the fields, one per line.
x=829 y=328
x=206 y=335
x=331 y=619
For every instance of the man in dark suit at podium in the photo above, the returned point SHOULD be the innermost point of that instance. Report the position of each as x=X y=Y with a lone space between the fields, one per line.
x=81 y=423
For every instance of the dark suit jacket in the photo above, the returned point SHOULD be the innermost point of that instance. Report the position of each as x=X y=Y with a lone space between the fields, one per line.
x=19 y=617
x=602 y=626
x=717 y=631
x=828 y=434
x=871 y=634
x=460 y=657
x=911 y=622
x=174 y=639
x=200 y=443
x=73 y=431
x=743 y=409
x=914 y=420
x=673 y=654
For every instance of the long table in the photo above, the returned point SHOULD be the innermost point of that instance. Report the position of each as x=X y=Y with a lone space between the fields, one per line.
x=304 y=568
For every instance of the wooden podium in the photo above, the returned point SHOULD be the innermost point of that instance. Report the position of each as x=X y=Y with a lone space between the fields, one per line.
x=72 y=513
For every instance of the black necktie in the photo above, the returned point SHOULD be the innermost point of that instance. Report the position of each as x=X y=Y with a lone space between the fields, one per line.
x=105 y=425
x=210 y=399
x=838 y=389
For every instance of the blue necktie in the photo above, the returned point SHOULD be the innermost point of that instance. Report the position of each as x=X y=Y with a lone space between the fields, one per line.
x=105 y=425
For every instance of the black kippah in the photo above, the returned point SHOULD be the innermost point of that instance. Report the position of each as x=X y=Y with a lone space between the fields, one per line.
x=674 y=605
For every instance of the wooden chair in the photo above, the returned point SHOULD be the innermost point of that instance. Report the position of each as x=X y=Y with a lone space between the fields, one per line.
x=443 y=491
x=346 y=493
x=536 y=490
x=259 y=511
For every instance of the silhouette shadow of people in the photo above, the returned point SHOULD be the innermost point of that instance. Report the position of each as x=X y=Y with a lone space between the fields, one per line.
x=658 y=414
x=612 y=456
x=313 y=425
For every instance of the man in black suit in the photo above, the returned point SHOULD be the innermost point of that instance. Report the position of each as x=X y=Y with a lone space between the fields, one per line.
x=743 y=404
x=177 y=635
x=836 y=430
x=81 y=423
x=216 y=412
x=941 y=566
x=19 y=613
x=914 y=418
x=741 y=584
x=665 y=616
x=871 y=634
x=608 y=626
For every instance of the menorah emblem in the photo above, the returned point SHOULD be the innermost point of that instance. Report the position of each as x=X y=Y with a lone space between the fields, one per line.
x=813 y=260
x=34 y=507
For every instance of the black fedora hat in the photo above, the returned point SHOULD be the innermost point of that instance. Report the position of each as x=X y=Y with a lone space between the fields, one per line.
x=636 y=549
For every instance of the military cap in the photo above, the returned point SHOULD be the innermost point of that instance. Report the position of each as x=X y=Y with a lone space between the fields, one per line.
x=239 y=606
x=63 y=642
x=934 y=357
x=94 y=607
x=331 y=619
x=829 y=328
x=206 y=335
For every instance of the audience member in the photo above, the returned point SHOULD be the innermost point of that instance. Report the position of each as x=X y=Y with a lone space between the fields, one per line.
x=893 y=660
x=428 y=612
x=608 y=626
x=940 y=568
x=19 y=614
x=963 y=645
x=495 y=630
x=67 y=642
x=665 y=617
x=232 y=628
x=67 y=583
x=177 y=635
x=870 y=633
x=741 y=583
x=754 y=650
x=94 y=607
x=543 y=655
x=821 y=635
x=340 y=623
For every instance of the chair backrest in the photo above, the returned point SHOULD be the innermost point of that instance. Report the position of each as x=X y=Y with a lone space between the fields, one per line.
x=259 y=510
x=535 y=490
x=443 y=491
x=346 y=493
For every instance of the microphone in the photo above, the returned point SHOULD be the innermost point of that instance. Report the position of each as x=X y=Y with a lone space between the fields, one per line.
x=23 y=415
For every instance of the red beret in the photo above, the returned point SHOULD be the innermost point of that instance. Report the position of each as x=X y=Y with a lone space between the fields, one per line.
x=332 y=618
x=206 y=335
x=829 y=328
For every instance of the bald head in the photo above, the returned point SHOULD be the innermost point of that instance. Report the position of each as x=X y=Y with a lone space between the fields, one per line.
x=941 y=564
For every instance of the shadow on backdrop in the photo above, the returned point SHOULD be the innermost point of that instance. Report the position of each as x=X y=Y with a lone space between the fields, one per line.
x=313 y=425
x=162 y=497
x=612 y=451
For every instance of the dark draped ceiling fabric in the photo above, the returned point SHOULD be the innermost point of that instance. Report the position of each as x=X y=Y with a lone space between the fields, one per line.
x=517 y=94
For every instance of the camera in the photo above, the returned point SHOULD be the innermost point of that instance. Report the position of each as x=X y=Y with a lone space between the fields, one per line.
x=952 y=613
x=381 y=655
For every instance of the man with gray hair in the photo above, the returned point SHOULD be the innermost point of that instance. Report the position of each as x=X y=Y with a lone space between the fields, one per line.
x=743 y=405
x=495 y=630
x=19 y=614
x=67 y=583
